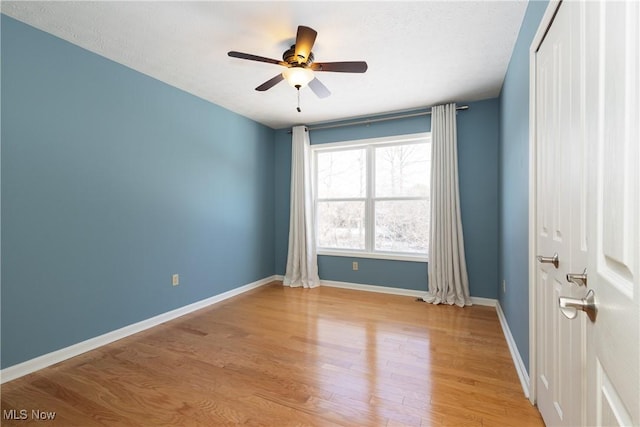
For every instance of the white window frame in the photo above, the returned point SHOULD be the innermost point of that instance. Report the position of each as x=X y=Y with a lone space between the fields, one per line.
x=369 y=199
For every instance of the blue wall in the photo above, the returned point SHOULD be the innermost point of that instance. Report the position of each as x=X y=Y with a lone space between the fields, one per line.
x=111 y=182
x=514 y=183
x=478 y=134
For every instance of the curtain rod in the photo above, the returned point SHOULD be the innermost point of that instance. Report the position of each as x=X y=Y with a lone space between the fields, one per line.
x=381 y=119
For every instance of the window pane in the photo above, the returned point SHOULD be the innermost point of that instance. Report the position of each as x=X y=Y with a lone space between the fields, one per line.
x=340 y=225
x=403 y=170
x=342 y=174
x=402 y=226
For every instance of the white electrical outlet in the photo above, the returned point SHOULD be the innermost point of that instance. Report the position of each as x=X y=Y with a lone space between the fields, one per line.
x=175 y=279
x=504 y=286
x=355 y=265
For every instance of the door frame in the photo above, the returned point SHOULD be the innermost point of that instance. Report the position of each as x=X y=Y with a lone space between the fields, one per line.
x=545 y=23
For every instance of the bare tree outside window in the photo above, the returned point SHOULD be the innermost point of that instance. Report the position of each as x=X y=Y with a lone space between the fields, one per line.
x=400 y=202
x=340 y=208
x=341 y=225
x=402 y=170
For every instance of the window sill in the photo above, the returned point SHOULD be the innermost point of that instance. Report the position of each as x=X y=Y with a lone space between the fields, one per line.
x=376 y=255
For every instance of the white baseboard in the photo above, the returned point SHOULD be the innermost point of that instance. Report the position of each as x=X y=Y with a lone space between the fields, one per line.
x=489 y=302
x=40 y=362
x=396 y=291
x=513 y=349
x=372 y=288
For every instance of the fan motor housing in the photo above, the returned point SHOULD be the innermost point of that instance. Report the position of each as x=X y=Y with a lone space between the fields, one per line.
x=289 y=56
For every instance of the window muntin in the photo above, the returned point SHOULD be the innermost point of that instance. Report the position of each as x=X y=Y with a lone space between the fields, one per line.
x=372 y=197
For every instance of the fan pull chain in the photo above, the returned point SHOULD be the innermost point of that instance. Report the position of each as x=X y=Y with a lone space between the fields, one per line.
x=298 y=108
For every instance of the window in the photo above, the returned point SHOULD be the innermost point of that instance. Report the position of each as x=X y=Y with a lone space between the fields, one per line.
x=372 y=197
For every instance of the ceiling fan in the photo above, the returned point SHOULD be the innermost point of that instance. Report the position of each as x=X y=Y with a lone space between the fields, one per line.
x=300 y=67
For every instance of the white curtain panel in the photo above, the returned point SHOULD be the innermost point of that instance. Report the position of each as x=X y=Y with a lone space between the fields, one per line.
x=448 y=280
x=302 y=262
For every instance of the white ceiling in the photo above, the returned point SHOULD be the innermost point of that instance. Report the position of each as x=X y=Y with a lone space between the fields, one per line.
x=419 y=53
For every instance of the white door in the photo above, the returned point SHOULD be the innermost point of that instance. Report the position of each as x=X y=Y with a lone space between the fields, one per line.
x=588 y=211
x=561 y=218
x=613 y=340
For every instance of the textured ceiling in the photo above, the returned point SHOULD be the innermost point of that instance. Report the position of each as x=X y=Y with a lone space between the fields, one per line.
x=419 y=53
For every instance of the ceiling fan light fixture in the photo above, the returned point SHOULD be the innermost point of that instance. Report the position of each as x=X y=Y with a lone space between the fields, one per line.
x=299 y=65
x=298 y=76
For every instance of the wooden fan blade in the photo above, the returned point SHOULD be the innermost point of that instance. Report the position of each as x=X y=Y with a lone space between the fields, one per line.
x=270 y=83
x=340 y=67
x=318 y=88
x=250 y=57
x=305 y=39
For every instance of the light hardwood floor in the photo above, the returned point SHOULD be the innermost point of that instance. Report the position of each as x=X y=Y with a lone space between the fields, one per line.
x=278 y=356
